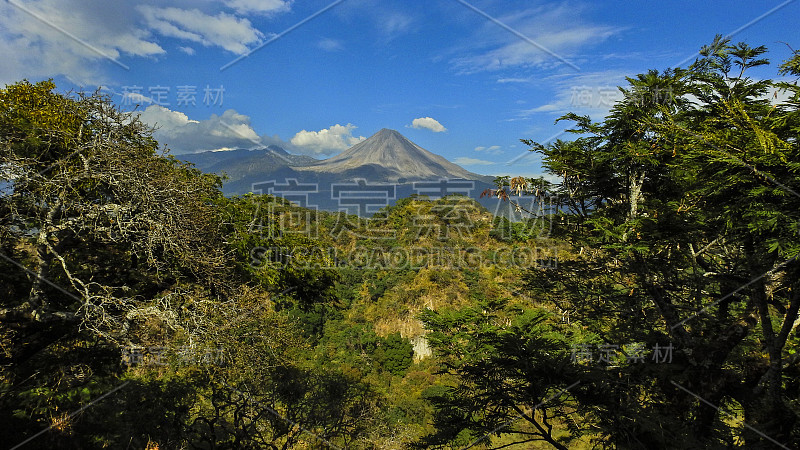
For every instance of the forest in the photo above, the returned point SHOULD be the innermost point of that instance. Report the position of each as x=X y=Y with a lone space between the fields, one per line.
x=650 y=300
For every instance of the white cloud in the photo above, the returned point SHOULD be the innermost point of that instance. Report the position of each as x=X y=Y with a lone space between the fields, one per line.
x=390 y=19
x=135 y=98
x=592 y=94
x=233 y=130
x=68 y=37
x=327 y=141
x=515 y=80
x=184 y=135
x=84 y=39
x=464 y=161
x=550 y=107
x=168 y=120
x=492 y=150
x=552 y=32
x=428 y=123
x=395 y=23
x=222 y=30
x=259 y=6
x=330 y=45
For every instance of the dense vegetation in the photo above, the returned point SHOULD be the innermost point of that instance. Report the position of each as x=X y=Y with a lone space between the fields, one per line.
x=140 y=308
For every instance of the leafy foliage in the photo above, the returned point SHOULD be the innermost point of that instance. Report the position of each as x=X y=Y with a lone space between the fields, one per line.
x=682 y=211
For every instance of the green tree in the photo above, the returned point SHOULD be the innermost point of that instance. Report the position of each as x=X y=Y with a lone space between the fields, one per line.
x=108 y=245
x=104 y=242
x=513 y=375
x=395 y=354
x=682 y=210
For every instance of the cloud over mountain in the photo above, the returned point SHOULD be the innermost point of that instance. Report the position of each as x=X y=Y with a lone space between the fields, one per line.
x=325 y=142
x=234 y=130
x=428 y=123
x=183 y=135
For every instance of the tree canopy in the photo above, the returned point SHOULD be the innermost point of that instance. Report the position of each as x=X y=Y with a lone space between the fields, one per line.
x=683 y=212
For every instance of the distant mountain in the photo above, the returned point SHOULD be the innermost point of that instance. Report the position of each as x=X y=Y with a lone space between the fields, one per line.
x=389 y=156
x=243 y=164
x=371 y=174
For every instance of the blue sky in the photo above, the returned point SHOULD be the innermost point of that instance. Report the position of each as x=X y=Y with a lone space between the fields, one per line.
x=464 y=79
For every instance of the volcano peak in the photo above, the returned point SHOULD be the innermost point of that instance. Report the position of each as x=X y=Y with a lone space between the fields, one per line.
x=397 y=157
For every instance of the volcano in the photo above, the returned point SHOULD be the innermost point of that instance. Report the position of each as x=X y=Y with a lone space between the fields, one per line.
x=389 y=156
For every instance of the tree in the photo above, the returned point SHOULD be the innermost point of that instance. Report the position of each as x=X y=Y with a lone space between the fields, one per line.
x=395 y=354
x=108 y=245
x=83 y=175
x=105 y=243
x=682 y=211
x=513 y=375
